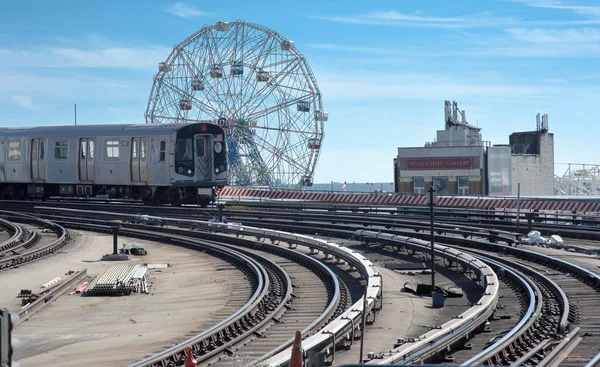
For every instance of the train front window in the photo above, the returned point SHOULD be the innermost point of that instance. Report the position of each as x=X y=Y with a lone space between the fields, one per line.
x=200 y=147
x=184 y=150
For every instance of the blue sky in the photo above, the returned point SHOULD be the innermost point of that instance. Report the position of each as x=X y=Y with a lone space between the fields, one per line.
x=384 y=67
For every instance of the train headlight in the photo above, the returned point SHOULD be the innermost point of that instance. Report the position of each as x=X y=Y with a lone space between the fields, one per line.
x=180 y=169
x=217 y=170
x=189 y=171
x=222 y=168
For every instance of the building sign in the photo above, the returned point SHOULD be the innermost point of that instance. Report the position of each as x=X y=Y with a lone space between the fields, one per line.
x=499 y=171
x=441 y=163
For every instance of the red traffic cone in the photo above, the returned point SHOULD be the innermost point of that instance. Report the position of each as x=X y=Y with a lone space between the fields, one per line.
x=296 y=359
x=190 y=361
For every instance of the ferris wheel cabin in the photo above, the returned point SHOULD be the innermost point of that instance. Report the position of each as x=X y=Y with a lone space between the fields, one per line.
x=237 y=69
x=314 y=144
x=185 y=105
x=322 y=116
x=262 y=76
x=222 y=26
x=163 y=67
x=303 y=106
x=197 y=85
x=306 y=181
x=216 y=72
x=287 y=45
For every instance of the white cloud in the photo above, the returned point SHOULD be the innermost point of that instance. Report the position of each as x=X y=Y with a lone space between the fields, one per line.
x=588 y=11
x=583 y=35
x=110 y=57
x=24 y=102
x=183 y=10
x=394 y=18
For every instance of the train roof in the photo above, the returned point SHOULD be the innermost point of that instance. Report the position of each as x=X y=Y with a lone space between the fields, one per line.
x=94 y=130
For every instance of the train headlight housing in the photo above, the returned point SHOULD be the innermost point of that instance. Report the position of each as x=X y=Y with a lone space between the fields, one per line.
x=217 y=170
x=222 y=168
x=189 y=171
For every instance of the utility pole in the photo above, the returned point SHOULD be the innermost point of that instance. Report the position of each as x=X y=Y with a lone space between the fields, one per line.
x=519 y=208
x=432 y=198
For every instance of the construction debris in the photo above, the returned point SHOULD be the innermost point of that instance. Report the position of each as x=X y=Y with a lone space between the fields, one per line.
x=51 y=282
x=157 y=266
x=119 y=280
x=133 y=249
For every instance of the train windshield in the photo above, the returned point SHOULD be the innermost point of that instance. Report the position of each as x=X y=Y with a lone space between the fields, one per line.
x=184 y=151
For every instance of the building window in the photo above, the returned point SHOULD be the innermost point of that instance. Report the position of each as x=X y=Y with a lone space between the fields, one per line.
x=14 y=150
x=441 y=185
x=419 y=185
x=112 y=149
x=163 y=151
x=463 y=186
x=61 y=149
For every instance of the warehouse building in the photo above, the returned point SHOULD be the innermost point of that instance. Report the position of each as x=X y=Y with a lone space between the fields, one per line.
x=460 y=162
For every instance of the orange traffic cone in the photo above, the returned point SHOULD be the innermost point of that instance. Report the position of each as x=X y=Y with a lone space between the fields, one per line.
x=190 y=361
x=296 y=359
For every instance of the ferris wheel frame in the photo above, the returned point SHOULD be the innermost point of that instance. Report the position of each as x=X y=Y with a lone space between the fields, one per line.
x=273 y=113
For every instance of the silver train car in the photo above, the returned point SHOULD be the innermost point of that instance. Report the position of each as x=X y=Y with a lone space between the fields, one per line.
x=170 y=163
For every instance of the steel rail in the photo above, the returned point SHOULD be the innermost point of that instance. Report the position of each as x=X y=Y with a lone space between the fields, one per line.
x=46 y=298
x=16 y=232
x=560 y=295
x=594 y=361
x=454 y=330
x=318 y=322
x=336 y=331
x=530 y=317
x=29 y=256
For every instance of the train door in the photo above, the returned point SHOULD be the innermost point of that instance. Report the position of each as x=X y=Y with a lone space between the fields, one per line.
x=38 y=159
x=139 y=159
x=86 y=159
x=203 y=148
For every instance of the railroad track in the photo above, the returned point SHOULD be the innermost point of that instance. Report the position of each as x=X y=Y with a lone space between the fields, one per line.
x=318 y=283
x=349 y=317
x=19 y=249
x=582 y=297
x=548 y=294
x=358 y=215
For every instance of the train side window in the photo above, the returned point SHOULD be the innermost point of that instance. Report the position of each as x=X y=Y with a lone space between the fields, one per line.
x=14 y=150
x=61 y=149
x=42 y=149
x=83 y=149
x=143 y=143
x=112 y=149
x=163 y=151
x=134 y=148
x=90 y=149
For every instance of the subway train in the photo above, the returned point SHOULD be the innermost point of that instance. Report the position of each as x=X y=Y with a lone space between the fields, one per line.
x=168 y=163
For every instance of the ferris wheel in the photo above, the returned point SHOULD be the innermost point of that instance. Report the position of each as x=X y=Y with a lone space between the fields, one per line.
x=254 y=83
